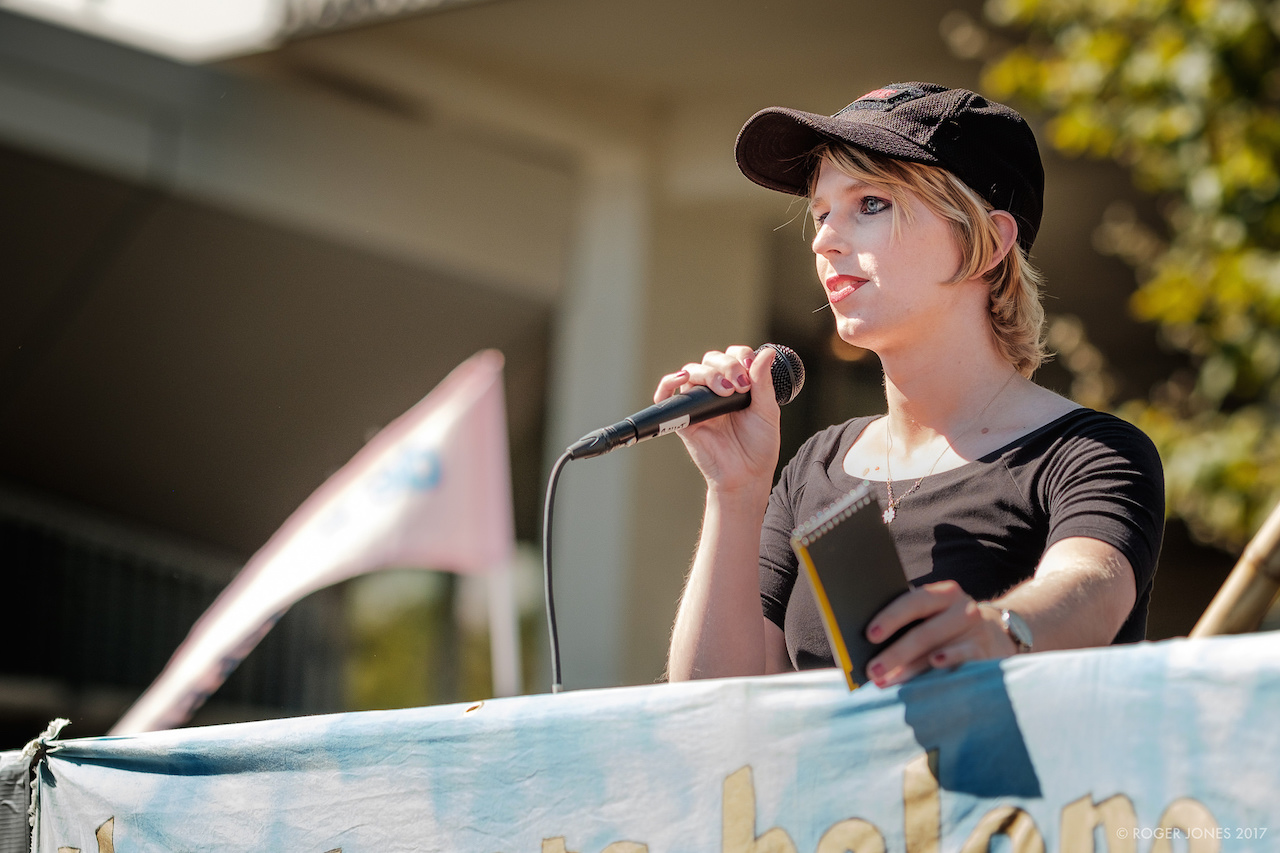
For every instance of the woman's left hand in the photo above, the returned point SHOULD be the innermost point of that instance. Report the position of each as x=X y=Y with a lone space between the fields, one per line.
x=953 y=629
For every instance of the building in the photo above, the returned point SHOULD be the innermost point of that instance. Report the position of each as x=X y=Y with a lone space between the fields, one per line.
x=222 y=277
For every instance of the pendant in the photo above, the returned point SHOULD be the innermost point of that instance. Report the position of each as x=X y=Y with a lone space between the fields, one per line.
x=889 y=514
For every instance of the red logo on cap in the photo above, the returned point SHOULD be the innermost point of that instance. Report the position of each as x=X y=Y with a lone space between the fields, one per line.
x=879 y=95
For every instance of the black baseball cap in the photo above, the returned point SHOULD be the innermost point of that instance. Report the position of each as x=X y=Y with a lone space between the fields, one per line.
x=985 y=144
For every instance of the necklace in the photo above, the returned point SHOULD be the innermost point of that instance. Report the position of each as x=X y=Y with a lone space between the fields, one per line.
x=891 y=511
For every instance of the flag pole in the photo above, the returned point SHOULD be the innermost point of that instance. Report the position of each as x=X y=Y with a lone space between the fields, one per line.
x=504 y=630
x=1250 y=589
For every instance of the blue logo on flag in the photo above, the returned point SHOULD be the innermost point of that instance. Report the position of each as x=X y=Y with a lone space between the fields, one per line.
x=416 y=469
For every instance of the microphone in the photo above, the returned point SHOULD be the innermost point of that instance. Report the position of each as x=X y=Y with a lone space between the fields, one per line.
x=681 y=410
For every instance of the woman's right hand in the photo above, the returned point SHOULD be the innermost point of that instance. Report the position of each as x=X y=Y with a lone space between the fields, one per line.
x=739 y=450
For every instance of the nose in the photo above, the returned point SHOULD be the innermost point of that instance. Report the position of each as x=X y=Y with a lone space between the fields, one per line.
x=827 y=240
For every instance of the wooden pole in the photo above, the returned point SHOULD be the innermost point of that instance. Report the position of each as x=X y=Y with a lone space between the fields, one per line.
x=1250 y=589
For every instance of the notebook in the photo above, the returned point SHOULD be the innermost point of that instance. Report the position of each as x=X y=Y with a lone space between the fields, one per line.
x=851 y=562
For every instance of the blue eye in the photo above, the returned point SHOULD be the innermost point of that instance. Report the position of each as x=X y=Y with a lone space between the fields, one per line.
x=872 y=205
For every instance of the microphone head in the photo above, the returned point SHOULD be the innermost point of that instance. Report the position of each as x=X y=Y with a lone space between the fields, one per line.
x=787 y=372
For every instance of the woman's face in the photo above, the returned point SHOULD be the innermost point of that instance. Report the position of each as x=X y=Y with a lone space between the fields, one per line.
x=886 y=290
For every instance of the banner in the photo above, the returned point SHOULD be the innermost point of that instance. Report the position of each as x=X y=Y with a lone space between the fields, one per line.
x=1143 y=749
x=431 y=490
x=15 y=766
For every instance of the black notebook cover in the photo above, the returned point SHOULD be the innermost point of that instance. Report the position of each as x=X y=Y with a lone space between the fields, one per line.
x=853 y=565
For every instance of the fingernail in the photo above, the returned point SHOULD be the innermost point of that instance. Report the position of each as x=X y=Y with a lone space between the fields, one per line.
x=747 y=362
x=877 y=671
x=874 y=633
x=938 y=659
x=743 y=382
x=726 y=384
x=681 y=374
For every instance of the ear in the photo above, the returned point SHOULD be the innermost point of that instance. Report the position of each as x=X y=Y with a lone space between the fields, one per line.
x=1007 y=228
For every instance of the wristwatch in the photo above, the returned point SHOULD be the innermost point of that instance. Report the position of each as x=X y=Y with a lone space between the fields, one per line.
x=1017 y=629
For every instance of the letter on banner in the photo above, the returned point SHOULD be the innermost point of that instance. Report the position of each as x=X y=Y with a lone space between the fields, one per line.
x=1080 y=818
x=739 y=821
x=1013 y=823
x=851 y=836
x=1193 y=822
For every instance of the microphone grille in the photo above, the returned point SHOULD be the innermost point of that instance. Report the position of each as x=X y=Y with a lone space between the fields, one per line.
x=787 y=373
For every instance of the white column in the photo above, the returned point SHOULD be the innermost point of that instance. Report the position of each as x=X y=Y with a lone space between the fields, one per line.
x=708 y=289
x=594 y=383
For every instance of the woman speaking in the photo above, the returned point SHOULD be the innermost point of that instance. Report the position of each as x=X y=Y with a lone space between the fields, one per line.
x=1023 y=521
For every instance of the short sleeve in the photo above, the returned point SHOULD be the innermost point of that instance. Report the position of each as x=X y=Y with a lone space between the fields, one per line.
x=778 y=564
x=1107 y=483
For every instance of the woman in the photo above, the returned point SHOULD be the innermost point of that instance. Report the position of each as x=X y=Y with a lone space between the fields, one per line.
x=1023 y=520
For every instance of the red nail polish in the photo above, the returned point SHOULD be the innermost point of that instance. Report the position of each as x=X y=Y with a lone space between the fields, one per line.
x=939 y=659
x=726 y=384
x=874 y=633
x=748 y=361
x=877 y=671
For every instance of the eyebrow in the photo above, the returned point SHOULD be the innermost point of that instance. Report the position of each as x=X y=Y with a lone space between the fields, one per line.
x=858 y=185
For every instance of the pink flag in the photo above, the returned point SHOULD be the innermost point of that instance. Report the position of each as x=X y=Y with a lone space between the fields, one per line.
x=431 y=490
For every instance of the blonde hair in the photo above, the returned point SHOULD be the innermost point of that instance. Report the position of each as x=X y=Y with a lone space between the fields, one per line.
x=1017 y=317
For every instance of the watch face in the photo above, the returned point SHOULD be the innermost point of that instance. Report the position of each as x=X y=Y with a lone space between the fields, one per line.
x=1018 y=630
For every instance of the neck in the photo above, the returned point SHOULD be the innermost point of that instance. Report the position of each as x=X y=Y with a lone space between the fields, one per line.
x=929 y=396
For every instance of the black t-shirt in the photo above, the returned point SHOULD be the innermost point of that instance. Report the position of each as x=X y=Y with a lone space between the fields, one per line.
x=985 y=524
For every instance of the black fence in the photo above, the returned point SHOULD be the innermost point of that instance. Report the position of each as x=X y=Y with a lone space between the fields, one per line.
x=89 y=626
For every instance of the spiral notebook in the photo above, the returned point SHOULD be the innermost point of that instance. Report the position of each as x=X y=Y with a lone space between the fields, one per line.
x=851 y=562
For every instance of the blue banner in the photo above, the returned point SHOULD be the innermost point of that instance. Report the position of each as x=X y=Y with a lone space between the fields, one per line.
x=1160 y=747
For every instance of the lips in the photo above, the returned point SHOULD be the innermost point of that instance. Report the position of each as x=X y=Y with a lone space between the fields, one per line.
x=842 y=286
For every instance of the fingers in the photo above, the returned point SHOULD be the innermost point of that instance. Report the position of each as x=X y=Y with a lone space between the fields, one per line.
x=724 y=373
x=761 y=365
x=920 y=603
x=955 y=654
x=671 y=384
x=953 y=629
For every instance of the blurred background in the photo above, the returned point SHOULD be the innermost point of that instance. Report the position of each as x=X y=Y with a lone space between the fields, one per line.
x=235 y=249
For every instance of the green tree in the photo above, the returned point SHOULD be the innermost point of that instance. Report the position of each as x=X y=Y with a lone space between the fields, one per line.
x=1185 y=94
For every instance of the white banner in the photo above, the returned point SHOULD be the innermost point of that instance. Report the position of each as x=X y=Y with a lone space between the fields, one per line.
x=1143 y=749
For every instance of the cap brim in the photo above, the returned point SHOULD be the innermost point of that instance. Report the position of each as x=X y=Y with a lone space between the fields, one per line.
x=774 y=146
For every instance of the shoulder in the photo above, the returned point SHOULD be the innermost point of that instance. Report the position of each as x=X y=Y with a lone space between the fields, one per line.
x=818 y=455
x=826 y=444
x=811 y=481
x=1084 y=429
x=1087 y=455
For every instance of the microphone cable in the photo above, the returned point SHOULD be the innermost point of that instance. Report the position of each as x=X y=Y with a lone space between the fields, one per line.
x=549 y=593
x=787 y=374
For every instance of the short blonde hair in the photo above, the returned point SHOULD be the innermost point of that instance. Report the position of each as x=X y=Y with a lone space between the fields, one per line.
x=1017 y=317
